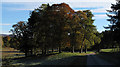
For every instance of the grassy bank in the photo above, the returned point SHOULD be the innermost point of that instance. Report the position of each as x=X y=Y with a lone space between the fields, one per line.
x=64 y=58
x=110 y=50
x=11 y=53
x=110 y=55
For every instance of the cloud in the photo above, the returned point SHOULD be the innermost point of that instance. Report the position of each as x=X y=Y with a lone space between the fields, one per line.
x=58 y=0
x=5 y=24
x=5 y=33
x=22 y=9
x=101 y=10
x=95 y=7
x=100 y=16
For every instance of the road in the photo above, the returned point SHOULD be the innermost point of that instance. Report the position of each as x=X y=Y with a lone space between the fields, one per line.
x=92 y=59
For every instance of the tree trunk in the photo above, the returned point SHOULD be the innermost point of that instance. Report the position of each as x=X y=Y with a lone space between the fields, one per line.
x=119 y=48
x=31 y=52
x=98 y=50
x=26 y=53
x=42 y=51
x=45 y=51
x=85 y=48
x=52 y=50
x=72 y=49
x=59 y=49
x=81 y=50
x=114 y=48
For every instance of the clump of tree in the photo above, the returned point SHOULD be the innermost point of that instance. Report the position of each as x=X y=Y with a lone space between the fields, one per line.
x=114 y=26
x=55 y=26
x=6 y=41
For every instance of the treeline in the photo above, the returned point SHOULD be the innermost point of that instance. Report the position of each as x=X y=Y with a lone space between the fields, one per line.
x=55 y=26
x=111 y=37
x=60 y=27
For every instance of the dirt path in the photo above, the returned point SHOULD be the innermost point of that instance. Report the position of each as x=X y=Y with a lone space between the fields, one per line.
x=95 y=60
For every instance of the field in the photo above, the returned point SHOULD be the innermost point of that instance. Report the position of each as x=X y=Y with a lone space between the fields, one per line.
x=11 y=53
x=15 y=58
x=110 y=50
x=111 y=55
x=64 y=58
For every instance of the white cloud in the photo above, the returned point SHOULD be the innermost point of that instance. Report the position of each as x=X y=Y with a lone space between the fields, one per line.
x=95 y=7
x=22 y=9
x=5 y=33
x=100 y=16
x=75 y=4
x=5 y=24
x=101 y=10
x=58 y=1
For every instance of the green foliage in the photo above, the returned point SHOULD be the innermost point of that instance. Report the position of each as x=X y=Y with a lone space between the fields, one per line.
x=6 y=41
x=114 y=25
x=21 y=37
x=48 y=28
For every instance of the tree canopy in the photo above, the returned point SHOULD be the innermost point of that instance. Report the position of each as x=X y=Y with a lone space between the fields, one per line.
x=56 y=26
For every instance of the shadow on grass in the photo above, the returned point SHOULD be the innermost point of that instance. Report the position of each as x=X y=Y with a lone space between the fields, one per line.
x=35 y=56
x=11 y=52
x=24 y=60
x=43 y=60
x=73 y=60
x=112 y=57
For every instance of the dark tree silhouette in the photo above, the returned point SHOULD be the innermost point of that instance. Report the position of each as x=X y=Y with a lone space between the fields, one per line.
x=114 y=21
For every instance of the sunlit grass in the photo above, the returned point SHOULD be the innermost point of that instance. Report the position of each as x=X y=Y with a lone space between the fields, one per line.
x=110 y=50
x=65 y=57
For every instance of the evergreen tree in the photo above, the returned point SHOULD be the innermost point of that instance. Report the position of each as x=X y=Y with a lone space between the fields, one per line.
x=114 y=21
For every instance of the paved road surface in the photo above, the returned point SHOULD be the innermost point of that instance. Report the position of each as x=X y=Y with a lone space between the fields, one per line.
x=95 y=60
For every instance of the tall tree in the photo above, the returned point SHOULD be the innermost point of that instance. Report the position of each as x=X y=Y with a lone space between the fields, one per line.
x=114 y=21
x=87 y=29
x=21 y=34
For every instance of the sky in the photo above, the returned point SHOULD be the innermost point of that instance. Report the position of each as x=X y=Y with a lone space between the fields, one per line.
x=13 y=11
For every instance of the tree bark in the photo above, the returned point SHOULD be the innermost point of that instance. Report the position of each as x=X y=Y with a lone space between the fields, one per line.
x=59 y=49
x=81 y=50
x=52 y=50
x=72 y=49
x=85 y=48
x=98 y=48
x=31 y=52
x=42 y=51
x=119 y=48
x=26 y=53
x=45 y=51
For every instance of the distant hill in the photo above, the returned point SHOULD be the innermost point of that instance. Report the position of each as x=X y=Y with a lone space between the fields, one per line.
x=4 y=35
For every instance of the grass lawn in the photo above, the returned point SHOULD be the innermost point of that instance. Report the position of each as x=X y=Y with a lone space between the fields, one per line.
x=64 y=58
x=110 y=56
x=11 y=53
x=109 y=50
